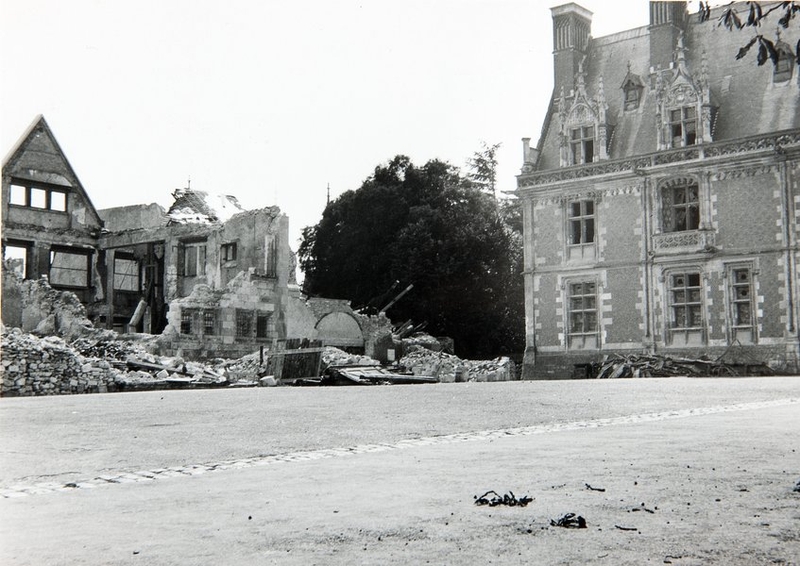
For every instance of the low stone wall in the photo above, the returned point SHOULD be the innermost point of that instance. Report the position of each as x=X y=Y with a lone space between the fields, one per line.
x=33 y=366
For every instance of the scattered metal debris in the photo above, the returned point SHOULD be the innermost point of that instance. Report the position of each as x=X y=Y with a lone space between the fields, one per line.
x=626 y=528
x=797 y=486
x=569 y=521
x=508 y=499
x=590 y=488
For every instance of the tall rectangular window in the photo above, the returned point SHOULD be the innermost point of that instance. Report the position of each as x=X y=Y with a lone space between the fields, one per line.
x=126 y=274
x=582 y=145
x=742 y=297
x=244 y=323
x=581 y=222
x=228 y=252
x=69 y=268
x=680 y=207
x=15 y=258
x=209 y=323
x=582 y=308
x=686 y=301
x=271 y=259
x=683 y=126
x=194 y=259
x=187 y=317
x=262 y=325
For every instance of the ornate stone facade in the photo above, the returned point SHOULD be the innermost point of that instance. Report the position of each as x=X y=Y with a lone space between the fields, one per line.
x=678 y=234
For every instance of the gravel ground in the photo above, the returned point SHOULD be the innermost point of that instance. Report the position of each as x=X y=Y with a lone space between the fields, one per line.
x=695 y=471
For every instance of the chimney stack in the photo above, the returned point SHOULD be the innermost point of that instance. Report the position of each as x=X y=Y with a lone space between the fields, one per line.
x=667 y=20
x=572 y=26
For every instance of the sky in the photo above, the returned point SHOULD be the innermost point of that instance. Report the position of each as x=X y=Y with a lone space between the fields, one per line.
x=275 y=101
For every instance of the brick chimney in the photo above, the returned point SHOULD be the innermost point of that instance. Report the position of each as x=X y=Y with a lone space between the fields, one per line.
x=572 y=25
x=667 y=20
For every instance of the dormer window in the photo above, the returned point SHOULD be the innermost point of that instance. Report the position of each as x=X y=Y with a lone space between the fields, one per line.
x=683 y=126
x=582 y=145
x=632 y=96
x=784 y=66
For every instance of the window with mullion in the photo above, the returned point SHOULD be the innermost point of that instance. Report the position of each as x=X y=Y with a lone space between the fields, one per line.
x=742 y=298
x=681 y=207
x=683 y=126
x=686 y=301
x=581 y=222
x=582 y=308
x=582 y=144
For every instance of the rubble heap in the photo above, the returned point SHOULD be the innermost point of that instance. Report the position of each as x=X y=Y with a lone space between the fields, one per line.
x=49 y=366
x=449 y=368
x=336 y=357
x=652 y=365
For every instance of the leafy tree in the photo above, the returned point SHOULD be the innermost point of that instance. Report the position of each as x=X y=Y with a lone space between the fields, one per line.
x=431 y=227
x=758 y=14
x=483 y=165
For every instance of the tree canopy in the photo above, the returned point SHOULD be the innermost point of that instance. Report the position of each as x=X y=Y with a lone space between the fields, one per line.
x=755 y=15
x=431 y=227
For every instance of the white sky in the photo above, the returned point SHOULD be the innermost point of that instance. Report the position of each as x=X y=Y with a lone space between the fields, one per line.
x=271 y=100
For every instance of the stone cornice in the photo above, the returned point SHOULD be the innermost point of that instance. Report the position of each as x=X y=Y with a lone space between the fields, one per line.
x=776 y=143
x=589 y=193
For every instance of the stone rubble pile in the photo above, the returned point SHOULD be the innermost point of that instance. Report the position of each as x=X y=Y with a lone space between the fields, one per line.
x=336 y=357
x=48 y=366
x=449 y=368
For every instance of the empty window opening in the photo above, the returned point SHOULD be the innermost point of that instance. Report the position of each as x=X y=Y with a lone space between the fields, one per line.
x=126 y=274
x=34 y=196
x=15 y=258
x=69 y=268
x=228 y=252
x=194 y=260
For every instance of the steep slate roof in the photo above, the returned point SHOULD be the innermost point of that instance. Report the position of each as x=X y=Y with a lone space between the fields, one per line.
x=748 y=101
x=37 y=157
x=193 y=206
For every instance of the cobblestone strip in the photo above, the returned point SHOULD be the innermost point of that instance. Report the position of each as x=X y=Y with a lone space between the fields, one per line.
x=24 y=490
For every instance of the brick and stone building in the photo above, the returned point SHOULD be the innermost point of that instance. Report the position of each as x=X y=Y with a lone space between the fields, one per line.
x=662 y=200
x=212 y=279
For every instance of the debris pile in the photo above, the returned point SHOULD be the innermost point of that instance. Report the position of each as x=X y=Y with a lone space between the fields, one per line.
x=652 y=365
x=449 y=368
x=336 y=357
x=496 y=499
x=48 y=366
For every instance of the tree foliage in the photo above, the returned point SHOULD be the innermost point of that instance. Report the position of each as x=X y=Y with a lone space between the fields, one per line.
x=757 y=14
x=429 y=226
x=483 y=167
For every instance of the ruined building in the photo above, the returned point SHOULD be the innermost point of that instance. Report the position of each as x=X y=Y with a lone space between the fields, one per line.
x=661 y=201
x=213 y=279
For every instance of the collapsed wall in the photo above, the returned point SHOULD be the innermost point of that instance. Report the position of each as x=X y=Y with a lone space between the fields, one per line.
x=34 y=306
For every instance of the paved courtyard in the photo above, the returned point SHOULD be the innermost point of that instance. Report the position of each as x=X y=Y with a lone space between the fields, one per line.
x=664 y=471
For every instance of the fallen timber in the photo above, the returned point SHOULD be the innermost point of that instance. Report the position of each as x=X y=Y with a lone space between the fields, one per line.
x=364 y=375
x=650 y=365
